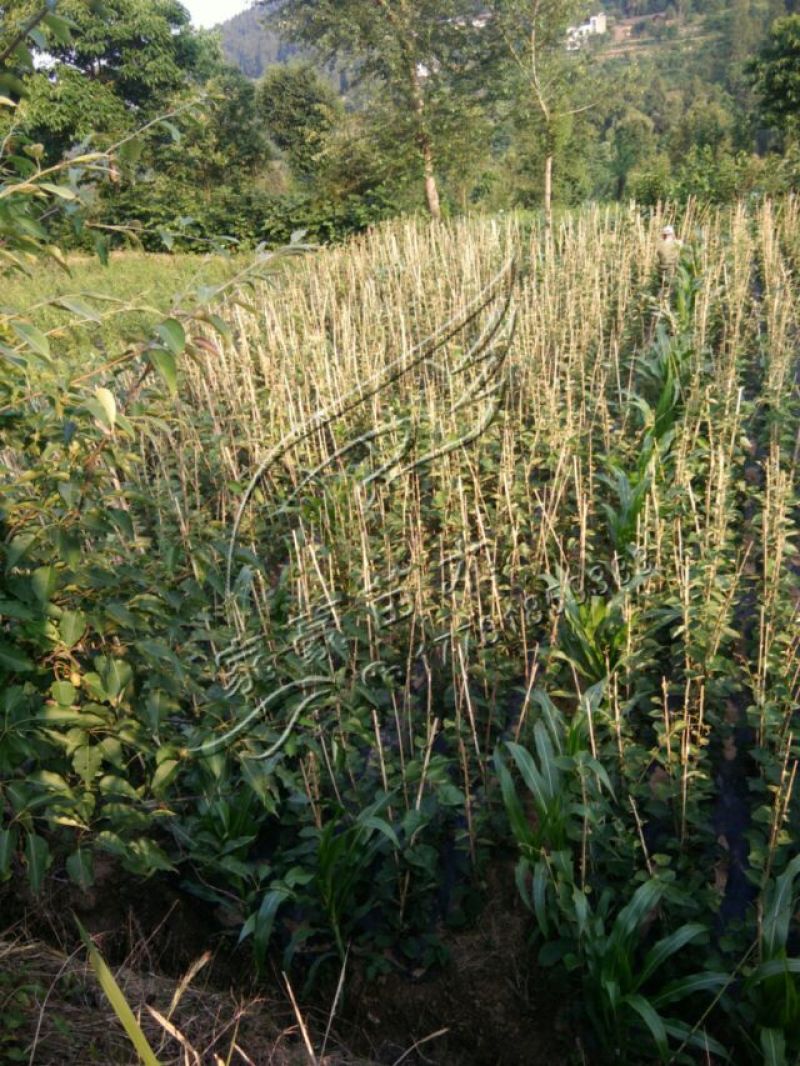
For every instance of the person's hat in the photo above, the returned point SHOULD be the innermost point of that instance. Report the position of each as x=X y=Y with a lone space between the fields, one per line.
x=668 y=231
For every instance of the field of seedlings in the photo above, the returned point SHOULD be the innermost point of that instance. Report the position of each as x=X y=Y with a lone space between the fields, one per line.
x=449 y=575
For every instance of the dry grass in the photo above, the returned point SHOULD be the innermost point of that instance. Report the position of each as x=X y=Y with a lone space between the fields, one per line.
x=63 y=1018
x=527 y=488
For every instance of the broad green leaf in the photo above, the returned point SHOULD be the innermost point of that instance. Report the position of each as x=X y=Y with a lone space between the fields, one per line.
x=174 y=132
x=33 y=338
x=59 y=27
x=78 y=306
x=630 y=918
x=652 y=1020
x=774 y=968
x=778 y=909
x=71 y=626
x=219 y=324
x=131 y=151
x=63 y=192
x=163 y=775
x=8 y=845
x=164 y=363
x=773 y=1044
x=64 y=693
x=530 y=774
x=544 y=746
x=383 y=827
x=43 y=581
x=707 y=981
x=539 y=896
x=104 y=407
x=18 y=548
x=685 y=1034
x=14 y=660
x=659 y=954
x=260 y=924
x=150 y=856
x=37 y=859
x=118 y=1002
x=116 y=676
x=80 y=868
x=516 y=816
x=173 y=335
x=87 y=762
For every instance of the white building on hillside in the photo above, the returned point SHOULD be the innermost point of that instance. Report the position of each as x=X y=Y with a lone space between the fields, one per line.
x=597 y=26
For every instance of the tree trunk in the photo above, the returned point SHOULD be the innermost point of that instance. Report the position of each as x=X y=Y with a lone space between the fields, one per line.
x=425 y=146
x=548 y=193
x=431 y=188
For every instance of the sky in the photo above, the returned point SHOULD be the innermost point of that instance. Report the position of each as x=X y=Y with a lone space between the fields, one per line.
x=211 y=12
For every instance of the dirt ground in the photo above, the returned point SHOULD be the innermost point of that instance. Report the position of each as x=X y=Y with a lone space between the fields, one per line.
x=487 y=1006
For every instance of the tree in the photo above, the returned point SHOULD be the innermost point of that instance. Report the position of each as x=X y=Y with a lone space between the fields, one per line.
x=298 y=109
x=530 y=41
x=123 y=61
x=419 y=51
x=775 y=75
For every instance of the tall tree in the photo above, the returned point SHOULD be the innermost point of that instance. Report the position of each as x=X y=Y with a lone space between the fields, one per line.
x=419 y=51
x=124 y=61
x=298 y=109
x=776 y=75
x=530 y=41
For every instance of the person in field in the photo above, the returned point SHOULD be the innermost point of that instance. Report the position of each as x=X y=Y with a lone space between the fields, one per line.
x=668 y=253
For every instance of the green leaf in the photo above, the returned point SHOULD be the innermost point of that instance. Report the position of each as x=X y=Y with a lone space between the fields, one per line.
x=78 y=306
x=118 y=1002
x=59 y=27
x=43 y=581
x=652 y=1020
x=774 y=968
x=516 y=816
x=544 y=746
x=773 y=1044
x=37 y=858
x=694 y=1038
x=164 y=363
x=530 y=773
x=260 y=924
x=8 y=845
x=80 y=869
x=63 y=192
x=13 y=660
x=659 y=954
x=778 y=910
x=131 y=151
x=18 y=548
x=71 y=626
x=163 y=775
x=104 y=407
x=173 y=335
x=539 y=895
x=644 y=899
x=116 y=675
x=707 y=981
x=87 y=762
x=383 y=827
x=33 y=338
x=64 y=693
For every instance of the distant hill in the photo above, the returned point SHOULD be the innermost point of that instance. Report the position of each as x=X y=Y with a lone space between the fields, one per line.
x=251 y=45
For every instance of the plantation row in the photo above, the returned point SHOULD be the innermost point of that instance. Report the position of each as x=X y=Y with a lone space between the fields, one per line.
x=458 y=543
